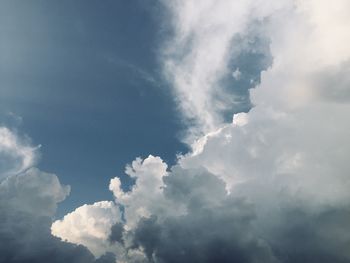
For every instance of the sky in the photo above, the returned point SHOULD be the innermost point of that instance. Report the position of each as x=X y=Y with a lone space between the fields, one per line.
x=174 y=131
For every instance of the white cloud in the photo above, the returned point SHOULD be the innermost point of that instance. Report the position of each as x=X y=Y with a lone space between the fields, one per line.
x=16 y=155
x=146 y=196
x=240 y=119
x=89 y=225
x=33 y=192
x=196 y=58
x=294 y=139
x=237 y=74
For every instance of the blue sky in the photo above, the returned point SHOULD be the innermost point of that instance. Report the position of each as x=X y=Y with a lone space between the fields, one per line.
x=85 y=80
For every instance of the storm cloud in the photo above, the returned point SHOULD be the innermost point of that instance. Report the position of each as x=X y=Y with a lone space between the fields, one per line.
x=215 y=228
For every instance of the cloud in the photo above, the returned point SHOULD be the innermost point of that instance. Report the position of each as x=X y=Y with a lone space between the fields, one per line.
x=145 y=197
x=26 y=209
x=106 y=258
x=34 y=192
x=312 y=237
x=336 y=77
x=198 y=56
x=89 y=225
x=192 y=219
x=236 y=74
x=290 y=157
x=215 y=227
x=16 y=155
x=116 y=235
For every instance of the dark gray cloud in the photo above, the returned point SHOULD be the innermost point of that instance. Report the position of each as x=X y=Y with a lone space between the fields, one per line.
x=216 y=228
x=116 y=235
x=308 y=236
x=221 y=227
x=333 y=83
x=106 y=258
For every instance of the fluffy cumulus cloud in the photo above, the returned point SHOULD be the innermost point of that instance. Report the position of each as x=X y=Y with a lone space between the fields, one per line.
x=28 y=202
x=89 y=225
